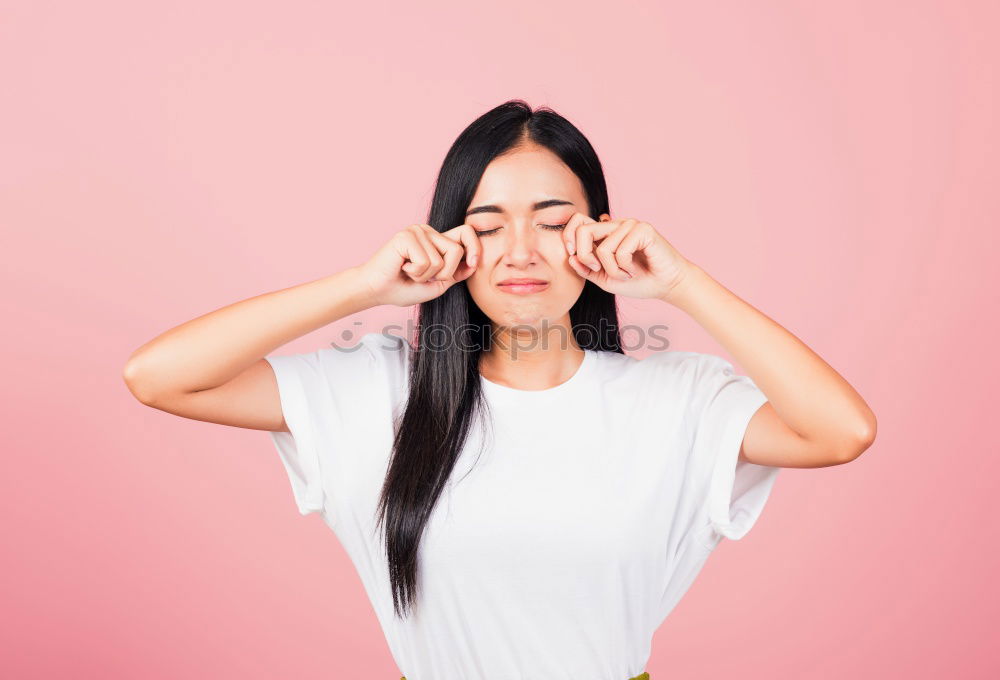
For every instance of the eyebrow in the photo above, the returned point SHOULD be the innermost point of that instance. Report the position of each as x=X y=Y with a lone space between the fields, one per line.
x=541 y=205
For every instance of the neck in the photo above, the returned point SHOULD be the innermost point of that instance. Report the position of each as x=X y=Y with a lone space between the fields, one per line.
x=529 y=358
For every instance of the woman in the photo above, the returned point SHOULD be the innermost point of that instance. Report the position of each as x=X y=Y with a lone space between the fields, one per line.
x=520 y=498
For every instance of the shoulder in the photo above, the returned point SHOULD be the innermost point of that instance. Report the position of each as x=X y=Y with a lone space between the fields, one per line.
x=384 y=346
x=679 y=366
x=374 y=358
x=659 y=370
x=679 y=376
x=383 y=341
x=382 y=353
x=376 y=347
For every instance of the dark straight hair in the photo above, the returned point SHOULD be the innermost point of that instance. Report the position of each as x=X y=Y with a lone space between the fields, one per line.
x=445 y=392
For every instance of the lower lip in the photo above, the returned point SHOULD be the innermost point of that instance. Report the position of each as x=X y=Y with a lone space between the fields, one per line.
x=523 y=288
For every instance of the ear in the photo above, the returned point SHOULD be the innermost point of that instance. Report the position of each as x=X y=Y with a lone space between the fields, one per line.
x=605 y=217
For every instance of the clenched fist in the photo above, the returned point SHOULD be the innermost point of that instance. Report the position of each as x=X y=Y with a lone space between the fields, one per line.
x=419 y=264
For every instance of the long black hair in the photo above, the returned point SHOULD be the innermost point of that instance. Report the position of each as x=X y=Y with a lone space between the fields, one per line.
x=445 y=392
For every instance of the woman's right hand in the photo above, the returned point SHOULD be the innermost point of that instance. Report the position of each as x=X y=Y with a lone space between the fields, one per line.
x=420 y=263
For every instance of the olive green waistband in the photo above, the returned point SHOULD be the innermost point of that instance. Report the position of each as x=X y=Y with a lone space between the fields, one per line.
x=644 y=676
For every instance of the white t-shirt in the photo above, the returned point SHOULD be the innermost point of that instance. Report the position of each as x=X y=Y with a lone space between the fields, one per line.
x=559 y=552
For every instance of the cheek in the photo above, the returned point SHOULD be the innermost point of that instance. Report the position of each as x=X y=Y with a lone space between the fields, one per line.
x=558 y=252
x=478 y=283
x=558 y=256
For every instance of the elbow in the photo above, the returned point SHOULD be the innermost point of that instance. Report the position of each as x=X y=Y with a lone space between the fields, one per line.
x=860 y=438
x=136 y=382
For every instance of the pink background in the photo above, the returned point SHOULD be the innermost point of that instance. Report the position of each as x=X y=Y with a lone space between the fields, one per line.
x=833 y=163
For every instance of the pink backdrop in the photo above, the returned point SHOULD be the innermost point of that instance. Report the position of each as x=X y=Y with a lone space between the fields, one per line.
x=834 y=165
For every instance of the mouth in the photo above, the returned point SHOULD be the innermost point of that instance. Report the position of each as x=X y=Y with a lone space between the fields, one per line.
x=522 y=286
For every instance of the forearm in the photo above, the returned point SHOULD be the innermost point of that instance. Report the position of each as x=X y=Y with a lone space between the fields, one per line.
x=211 y=349
x=808 y=395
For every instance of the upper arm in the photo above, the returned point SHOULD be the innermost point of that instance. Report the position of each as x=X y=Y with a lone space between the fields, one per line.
x=249 y=400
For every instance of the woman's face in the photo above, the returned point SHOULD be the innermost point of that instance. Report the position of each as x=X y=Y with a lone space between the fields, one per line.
x=521 y=239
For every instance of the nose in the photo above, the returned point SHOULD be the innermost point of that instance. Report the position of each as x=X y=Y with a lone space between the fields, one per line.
x=521 y=246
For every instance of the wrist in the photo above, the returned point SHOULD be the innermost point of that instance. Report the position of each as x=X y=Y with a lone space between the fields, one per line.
x=359 y=288
x=683 y=290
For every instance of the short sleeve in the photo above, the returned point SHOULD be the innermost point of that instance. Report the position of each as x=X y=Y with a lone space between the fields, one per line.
x=329 y=397
x=731 y=493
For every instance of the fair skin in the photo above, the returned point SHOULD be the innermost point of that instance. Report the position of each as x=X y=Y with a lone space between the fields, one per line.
x=211 y=368
x=518 y=240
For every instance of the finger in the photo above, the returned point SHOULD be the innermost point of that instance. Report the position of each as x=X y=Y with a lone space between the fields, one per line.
x=414 y=252
x=426 y=260
x=569 y=231
x=580 y=268
x=636 y=239
x=606 y=250
x=452 y=253
x=600 y=278
x=586 y=235
x=434 y=259
x=467 y=236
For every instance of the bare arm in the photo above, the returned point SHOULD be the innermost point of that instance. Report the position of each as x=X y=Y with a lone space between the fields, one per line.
x=813 y=416
x=212 y=368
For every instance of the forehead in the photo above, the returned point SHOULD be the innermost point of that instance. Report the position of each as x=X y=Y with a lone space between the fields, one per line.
x=517 y=180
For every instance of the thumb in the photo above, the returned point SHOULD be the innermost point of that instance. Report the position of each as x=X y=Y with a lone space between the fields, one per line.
x=463 y=273
x=580 y=268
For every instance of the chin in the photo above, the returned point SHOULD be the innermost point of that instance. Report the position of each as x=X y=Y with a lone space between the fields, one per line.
x=529 y=314
x=523 y=317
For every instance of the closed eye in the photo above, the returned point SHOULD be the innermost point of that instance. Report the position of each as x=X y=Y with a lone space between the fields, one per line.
x=543 y=226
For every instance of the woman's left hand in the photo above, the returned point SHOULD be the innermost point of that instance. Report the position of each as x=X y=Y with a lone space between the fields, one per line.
x=620 y=249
